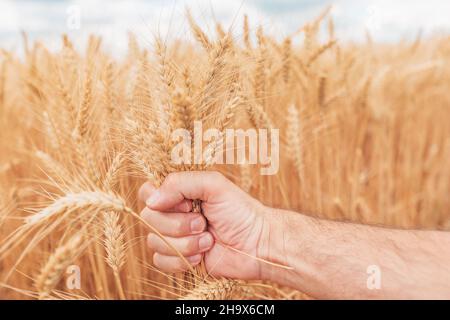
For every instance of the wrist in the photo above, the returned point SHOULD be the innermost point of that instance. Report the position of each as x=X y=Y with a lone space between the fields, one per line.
x=272 y=246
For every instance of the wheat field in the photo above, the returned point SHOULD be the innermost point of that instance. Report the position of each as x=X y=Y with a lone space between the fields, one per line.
x=364 y=133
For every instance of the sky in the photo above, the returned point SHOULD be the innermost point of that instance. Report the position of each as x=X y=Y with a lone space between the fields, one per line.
x=46 y=20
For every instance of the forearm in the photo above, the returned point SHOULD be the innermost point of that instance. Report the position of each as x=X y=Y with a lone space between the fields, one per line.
x=331 y=259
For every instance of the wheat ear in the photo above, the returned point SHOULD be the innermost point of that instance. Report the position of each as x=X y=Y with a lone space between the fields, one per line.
x=80 y=134
x=258 y=117
x=246 y=35
x=51 y=131
x=53 y=270
x=219 y=29
x=293 y=138
x=109 y=84
x=322 y=91
x=201 y=37
x=215 y=72
x=84 y=112
x=100 y=201
x=112 y=231
x=115 y=247
x=82 y=200
x=259 y=85
x=315 y=55
x=67 y=98
x=113 y=172
x=222 y=123
x=287 y=54
x=223 y=289
x=53 y=167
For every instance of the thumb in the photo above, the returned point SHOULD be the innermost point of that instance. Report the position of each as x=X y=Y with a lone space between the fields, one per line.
x=145 y=191
x=177 y=186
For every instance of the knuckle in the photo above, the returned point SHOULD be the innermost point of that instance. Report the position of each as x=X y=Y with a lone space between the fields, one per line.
x=191 y=245
x=195 y=259
x=171 y=178
x=152 y=241
x=144 y=189
x=178 y=225
x=215 y=178
x=146 y=213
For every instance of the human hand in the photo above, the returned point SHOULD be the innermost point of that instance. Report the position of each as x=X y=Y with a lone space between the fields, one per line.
x=233 y=230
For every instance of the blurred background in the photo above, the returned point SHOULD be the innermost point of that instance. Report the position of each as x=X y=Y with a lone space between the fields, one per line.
x=46 y=20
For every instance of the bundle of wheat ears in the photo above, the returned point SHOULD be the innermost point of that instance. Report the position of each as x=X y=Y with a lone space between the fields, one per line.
x=364 y=136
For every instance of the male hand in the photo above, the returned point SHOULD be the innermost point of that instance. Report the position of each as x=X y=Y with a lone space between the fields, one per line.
x=233 y=219
x=324 y=259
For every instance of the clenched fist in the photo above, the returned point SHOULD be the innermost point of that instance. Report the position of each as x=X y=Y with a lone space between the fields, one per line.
x=231 y=220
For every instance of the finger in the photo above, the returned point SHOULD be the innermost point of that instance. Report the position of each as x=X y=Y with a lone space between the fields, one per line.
x=184 y=206
x=187 y=185
x=187 y=246
x=174 y=264
x=146 y=191
x=175 y=224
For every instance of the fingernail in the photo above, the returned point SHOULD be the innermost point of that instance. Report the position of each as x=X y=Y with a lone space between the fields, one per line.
x=153 y=199
x=205 y=242
x=197 y=225
x=195 y=259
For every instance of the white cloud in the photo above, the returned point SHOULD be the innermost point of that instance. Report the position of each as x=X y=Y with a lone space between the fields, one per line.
x=46 y=19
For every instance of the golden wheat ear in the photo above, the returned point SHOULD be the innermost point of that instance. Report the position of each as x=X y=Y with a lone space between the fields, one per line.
x=56 y=265
x=114 y=244
x=199 y=34
x=223 y=289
